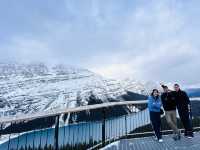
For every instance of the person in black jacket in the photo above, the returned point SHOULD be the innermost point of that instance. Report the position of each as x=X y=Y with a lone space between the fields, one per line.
x=184 y=109
x=169 y=105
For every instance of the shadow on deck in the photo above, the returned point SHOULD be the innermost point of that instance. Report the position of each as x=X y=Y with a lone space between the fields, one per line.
x=149 y=143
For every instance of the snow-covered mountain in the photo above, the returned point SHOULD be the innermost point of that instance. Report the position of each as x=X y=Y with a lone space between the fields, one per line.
x=144 y=88
x=37 y=87
x=31 y=88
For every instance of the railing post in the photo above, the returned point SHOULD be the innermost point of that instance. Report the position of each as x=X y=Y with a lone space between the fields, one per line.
x=8 y=148
x=56 y=133
x=126 y=132
x=104 y=127
x=1 y=130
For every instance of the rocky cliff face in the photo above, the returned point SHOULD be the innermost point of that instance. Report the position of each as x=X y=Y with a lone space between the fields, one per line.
x=26 y=89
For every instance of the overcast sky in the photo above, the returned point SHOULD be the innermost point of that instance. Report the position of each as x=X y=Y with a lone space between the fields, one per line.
x=154 y=40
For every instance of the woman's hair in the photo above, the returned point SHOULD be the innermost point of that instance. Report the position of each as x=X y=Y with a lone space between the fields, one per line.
x=153 y=92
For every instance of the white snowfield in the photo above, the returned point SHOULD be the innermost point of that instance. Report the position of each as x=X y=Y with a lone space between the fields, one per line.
x=33 y=88
x=110 y=146
x=195 y=99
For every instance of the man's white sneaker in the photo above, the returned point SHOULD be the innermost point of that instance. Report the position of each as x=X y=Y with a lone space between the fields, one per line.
x=189 y=137
x=160 y=140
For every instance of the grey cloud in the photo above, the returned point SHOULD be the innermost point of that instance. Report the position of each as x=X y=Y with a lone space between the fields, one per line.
x=151 y=40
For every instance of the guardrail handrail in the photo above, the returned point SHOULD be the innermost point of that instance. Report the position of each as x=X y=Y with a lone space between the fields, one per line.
x=68 y=110
x=92 y=135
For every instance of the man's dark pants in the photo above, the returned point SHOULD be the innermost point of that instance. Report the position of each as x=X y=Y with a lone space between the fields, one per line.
x=186 y=121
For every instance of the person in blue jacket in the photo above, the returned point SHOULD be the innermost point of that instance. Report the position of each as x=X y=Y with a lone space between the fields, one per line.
x=154 y=106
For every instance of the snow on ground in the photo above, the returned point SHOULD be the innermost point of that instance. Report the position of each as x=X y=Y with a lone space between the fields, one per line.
x=114 y=145
x=195 y=99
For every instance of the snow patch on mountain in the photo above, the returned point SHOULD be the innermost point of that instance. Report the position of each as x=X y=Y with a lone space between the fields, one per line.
x=32 y=88
x=140 y=87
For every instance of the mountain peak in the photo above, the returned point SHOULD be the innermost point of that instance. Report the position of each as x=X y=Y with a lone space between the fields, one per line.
x=30 y=88
x=36 y=69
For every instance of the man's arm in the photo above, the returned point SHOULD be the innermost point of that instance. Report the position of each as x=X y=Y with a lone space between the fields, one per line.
x=187 y=99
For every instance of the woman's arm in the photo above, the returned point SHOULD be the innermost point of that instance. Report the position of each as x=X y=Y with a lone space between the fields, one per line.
x=150 y=102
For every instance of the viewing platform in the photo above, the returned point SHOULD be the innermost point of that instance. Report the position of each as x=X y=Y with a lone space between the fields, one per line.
x=149 y=143
x=130 y=130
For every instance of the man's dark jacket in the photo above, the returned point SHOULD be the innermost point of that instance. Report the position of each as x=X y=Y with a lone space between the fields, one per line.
x=182 y=101
x=168 y=101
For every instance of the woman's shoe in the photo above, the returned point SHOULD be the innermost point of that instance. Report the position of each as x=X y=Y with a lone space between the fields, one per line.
x=160 y=140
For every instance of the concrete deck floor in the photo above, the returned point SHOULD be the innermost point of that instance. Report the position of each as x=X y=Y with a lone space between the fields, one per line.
x=149 y=143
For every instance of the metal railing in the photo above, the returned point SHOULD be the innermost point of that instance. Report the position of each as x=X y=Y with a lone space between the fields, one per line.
x=89 y=127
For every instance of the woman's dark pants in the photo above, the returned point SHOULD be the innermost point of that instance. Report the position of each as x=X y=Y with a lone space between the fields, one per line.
x=156 y=123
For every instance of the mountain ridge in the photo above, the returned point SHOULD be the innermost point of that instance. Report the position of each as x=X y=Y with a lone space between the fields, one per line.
x=30 y=88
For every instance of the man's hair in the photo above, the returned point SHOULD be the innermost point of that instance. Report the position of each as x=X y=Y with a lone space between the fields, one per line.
x=164 y=86
x=176 y=84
